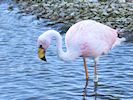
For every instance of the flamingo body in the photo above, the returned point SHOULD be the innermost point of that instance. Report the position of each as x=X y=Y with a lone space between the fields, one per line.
x=87 y=38
x=90 y=38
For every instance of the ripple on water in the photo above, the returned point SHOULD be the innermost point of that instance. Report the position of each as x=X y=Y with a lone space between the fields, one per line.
x=24 y=77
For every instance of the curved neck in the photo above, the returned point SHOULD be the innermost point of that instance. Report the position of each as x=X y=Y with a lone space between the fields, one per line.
x=54 y=34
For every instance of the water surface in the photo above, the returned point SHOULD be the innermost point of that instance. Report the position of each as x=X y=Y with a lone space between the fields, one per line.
x=24 y=77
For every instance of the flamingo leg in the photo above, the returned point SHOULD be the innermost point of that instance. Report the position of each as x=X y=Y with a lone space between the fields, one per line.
x=95 y=77
x=86 y=71
x=95 y=71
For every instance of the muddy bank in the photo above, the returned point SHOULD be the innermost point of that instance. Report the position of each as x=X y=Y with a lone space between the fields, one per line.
x=115 y=15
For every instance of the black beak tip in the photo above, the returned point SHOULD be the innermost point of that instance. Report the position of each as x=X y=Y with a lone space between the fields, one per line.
x=44 y=59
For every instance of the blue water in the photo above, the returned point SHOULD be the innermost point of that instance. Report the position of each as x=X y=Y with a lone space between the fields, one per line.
x=25 y=77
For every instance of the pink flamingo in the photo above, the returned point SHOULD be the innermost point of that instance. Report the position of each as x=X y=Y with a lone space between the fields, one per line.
x=87 y=38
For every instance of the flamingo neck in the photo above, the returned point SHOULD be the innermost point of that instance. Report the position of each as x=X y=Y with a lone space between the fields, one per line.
x=63 y=55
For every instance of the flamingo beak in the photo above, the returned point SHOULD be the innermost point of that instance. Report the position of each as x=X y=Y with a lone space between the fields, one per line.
x=41 y=53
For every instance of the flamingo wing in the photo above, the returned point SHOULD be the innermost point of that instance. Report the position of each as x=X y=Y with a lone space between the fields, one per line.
x=90 y=38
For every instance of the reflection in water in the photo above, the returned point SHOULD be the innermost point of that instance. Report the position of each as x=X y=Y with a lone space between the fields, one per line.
x=85 y=90
x=95 y=91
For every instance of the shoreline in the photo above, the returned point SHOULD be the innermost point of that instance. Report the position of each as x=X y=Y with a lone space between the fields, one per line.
x=116 y=15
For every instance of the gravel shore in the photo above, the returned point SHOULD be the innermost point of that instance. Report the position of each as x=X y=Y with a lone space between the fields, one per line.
x=115 y=15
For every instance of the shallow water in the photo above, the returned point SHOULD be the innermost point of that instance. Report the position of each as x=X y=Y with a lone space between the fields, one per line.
x=24 y=77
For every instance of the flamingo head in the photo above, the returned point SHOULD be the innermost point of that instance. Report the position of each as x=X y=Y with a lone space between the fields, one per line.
x=43 y=43
x=41 y=53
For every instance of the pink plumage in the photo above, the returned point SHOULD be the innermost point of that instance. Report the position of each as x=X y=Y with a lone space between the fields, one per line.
x=87 y=38
x=90 y=38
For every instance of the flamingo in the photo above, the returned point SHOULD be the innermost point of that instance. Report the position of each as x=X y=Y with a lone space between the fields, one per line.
x=86 y=38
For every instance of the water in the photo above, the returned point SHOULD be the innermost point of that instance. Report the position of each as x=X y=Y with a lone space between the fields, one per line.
x=24 y=77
